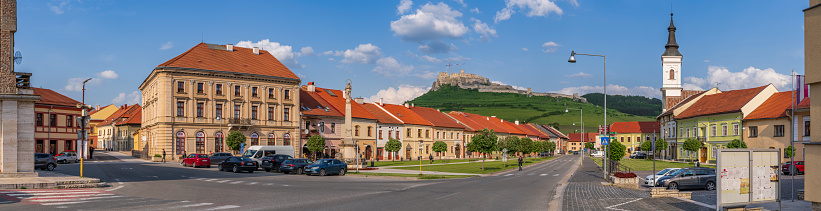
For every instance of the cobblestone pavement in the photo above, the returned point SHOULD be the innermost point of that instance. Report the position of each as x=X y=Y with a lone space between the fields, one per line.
x=585 y=192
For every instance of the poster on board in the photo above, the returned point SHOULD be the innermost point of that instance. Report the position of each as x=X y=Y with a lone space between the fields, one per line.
x=747 y=176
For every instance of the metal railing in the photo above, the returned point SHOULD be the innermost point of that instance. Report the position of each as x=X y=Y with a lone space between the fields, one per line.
x=614 y=166
x=244 y=121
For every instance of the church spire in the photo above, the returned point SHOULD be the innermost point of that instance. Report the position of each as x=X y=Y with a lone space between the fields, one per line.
x=672 y=46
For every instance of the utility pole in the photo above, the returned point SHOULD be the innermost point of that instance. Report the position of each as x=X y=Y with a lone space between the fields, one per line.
x=83 y=123
x=449 y=65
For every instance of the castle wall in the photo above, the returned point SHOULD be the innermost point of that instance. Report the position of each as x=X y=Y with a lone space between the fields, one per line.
x=472 y=81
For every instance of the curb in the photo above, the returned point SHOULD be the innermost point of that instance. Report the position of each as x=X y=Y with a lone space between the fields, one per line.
x=557 y=203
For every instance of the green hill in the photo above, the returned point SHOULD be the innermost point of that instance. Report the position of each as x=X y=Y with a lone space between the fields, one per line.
x=636 y=105
x=511 y=107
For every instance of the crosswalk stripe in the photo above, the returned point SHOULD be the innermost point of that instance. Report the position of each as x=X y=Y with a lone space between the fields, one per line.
x=43 y=194
x=252 y=183
x=69 y=196
x=223 y=181
x=192 y=205
x=237 y=182
x=224 y=207
x=541 y=175
x=75 y=199
x=209 y=180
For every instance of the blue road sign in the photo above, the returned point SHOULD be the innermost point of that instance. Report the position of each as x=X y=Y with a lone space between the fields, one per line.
x=605 y=140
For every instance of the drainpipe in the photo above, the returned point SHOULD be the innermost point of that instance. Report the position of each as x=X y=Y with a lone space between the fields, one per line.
x=49 y=128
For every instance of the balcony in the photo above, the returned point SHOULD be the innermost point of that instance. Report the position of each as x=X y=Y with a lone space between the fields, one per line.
x=239 y=123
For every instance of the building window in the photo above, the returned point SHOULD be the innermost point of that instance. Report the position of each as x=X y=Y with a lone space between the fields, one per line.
x=753 y=131
x=397 y=134
x=52 y=120
x=688 y=134
x=219 y=89
x=672 y=74
x=69 y=123
x=628 y=139
x=67 y=146
x=735 y=129
x=369 y=131
x=218 y=142
x=713 y=130
x=39 y=119
x=200 y=142
x=180 y=142
x=682 y=133
x=271 y=93
x=236 y=111
x=779 y=131
x=287 y=94
x=286 y=139
x=724 y=129
x=272 y=139
x=409 y=133
x=254 y=139
x=307 y=124
x=200 y=88
x=286 y=114
x=270 y=113
x=419 y=133
x=695 y=132
x=356 y=130
x=437 y=134
x=714 y=152
x=427 y=133
x=236 y=91
x=321 y=126
x=180 y=86
x=806 y=128
x=333 y=128
x=180 y=108
x=200 y=106
x=218 y=113
x=253 y=112
x=380 y=134
x=254 y=92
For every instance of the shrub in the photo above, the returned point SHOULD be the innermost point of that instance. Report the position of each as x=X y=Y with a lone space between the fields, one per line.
x=624 y=175
x=157 y=155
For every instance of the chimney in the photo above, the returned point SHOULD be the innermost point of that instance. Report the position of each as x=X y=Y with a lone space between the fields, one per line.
x=380 y=102
x=125 y=106
x=517 y=122
x=488 y=118
x=412 y=105
x=97 y=108
x=311 y=87
x=359 y=100
x=438 y=110
x=229 y=47
x=407 y=106
x=256 y=50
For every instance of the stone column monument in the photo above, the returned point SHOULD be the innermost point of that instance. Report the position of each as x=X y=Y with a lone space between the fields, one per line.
x=348 y=146
x=16 y=103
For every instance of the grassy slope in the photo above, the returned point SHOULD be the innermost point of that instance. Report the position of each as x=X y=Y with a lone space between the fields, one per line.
x=511 y=107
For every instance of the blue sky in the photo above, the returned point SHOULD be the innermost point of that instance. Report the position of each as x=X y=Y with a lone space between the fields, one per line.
x=393 y=50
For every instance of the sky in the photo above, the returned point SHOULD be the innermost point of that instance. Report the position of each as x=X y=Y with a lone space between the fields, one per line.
x=395 y=49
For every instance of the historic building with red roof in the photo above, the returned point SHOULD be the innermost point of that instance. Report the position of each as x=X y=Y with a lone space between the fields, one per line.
x=55 y=127
x=115 y=131
x=632 y=134
x=577 y=140
x=768 y=126
x=445 y=129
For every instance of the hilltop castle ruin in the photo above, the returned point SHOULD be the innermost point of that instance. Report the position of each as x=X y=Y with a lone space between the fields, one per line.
x=472 y=81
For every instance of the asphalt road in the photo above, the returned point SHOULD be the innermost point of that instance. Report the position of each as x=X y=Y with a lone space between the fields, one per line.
x=169 y=186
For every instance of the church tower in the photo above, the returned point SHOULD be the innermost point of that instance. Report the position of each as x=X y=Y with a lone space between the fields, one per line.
x=671 y=67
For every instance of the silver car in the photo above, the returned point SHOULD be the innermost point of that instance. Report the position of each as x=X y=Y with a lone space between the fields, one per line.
x=67 y=156
x=44 y=161
x=649 y=179
x=690 y=178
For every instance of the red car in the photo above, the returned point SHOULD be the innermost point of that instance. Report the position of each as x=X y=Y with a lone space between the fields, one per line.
x=799 y=165
x=197 y=160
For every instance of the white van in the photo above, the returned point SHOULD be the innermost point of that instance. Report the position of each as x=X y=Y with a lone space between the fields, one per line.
x=256 y=152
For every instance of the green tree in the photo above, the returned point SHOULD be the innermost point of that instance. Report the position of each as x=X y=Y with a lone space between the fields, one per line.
x=315 y=144
x=646 y=145
x=589 y=145
x=550 y=146
x=394 y=146
x=538 y=147
x=484 y=142
x=616 y=150
x=440 y=147
x=512 y=145
x=736 y=144
x=235 y=140
x=525 y=145
x=789 y=151
x=691 y=145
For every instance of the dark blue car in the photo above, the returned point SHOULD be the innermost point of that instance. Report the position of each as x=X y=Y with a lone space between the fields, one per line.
x=324 y=167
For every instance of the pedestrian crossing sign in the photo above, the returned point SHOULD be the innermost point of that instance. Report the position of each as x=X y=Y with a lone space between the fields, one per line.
x=605 y=140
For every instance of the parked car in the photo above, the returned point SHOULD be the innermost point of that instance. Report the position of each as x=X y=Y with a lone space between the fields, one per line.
x=45 y=161
x=690 y=178
x=67 y=156
x=649 y=179
x=273 y=161
x=324 y=167
x=218 y=157
x=597 y=154
x=799 y=166
x=294 y=165
x=197 y=160
x=238 y=164
x=638 y=155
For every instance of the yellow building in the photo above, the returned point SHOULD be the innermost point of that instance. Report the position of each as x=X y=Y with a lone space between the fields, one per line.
x=95 y=117
x=195 y=99
x=768 y=126
x=632 y=134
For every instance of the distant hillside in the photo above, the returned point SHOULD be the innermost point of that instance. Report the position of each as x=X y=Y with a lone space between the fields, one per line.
x=511 y=107
x=636 y=105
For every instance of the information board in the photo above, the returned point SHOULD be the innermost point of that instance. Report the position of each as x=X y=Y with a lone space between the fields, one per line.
x=747 y=176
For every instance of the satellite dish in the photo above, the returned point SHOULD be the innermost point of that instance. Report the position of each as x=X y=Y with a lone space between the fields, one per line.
x=18 y=57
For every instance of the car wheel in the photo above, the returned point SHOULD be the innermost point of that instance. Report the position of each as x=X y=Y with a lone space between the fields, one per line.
x=236 y=169
x=64 y=161
x=51 y=167
x=673 y=186
x=322 y=172
x=182 y=163
x=342 y=172
x=219 y=167
x=267 y=170
x=711 y=186
x=277 y=168
x=299 y=171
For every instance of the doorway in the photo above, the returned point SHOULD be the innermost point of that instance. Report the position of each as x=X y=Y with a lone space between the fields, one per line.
x=703 y=155
x=368 y=152
x=458 y=151
x=52 y=147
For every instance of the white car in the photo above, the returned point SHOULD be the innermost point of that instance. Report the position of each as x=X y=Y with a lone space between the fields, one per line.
x=597 y=154
x=67 y=157
x=649 y=179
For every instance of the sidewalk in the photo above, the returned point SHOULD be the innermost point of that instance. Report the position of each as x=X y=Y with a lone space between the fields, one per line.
x=113 y=156
x=402 y=171
x=50 y=180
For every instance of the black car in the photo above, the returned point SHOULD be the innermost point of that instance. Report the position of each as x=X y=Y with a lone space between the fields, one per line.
x=294 y=165
x=273 y=161
x=45 y=161
x=690 y=178
x=238 y=164
x=218 y=157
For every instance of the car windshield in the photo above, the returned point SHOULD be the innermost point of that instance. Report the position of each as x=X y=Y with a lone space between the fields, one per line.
x=202 y=156
x=322 y=161
x=249 y=153
x=245 y=159
x=677 y=172
x=662 y=172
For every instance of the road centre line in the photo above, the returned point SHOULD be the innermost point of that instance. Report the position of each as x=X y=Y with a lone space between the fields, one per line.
x=224 y=207
x=446 y=196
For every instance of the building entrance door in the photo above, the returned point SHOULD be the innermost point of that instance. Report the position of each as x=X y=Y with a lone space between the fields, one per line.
x=703 y=155
x=368 y=152
x=458 y=151
x=52 y=147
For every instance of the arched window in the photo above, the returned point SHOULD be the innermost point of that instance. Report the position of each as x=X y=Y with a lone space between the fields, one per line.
x=672 y=74
x=286 y=139
x=254 y=139
x=272 y=139
x=180 y=145
x=218 y=142
x=200 y=142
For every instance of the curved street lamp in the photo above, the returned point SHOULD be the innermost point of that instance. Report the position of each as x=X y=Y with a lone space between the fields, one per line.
x=572 y=59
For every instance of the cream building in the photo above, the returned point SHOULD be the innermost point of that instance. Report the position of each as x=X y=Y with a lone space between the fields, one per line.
x=195 y=99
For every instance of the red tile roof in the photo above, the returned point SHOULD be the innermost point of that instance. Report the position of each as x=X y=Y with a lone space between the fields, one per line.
x=533 y=131
x=311 y=103
x=557 y=132
x=681 y=103
x=50 y=97
x=725 y=102
x=338 y=102
x=550 y=131
x=635 y=127
x=381 y=115
x=240 y=60
x=406 y=115
x=504 y=124
x=122 y=115
x=774 y=107
x=675 y=100
x=470 y=124
x=438 y=119
x=484 y=122
x=135 y=118
x=805 y=103
x=576 y=137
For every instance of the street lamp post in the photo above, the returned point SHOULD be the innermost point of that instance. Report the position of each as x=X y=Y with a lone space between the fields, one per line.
x=573 y=60
x=581 y=127
x=83 y=127
x=420 y=158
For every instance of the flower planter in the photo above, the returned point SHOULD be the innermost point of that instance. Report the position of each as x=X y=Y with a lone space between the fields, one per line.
x=156 y=159
x=631 y=183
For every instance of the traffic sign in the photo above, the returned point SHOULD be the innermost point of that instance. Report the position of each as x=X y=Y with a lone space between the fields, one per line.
x=605 y=140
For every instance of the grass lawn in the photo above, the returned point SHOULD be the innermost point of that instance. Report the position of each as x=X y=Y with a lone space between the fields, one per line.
x=383 y=163
x=647 y=165
x=426 y=176
x=476 y=167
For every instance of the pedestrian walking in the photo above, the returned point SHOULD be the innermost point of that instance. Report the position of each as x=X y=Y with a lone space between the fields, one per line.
x=521 y=161
x=91 y=153
x=431 y=159
x=163 y=155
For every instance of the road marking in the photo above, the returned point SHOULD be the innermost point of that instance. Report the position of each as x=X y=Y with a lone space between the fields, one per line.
x=209 y=180
x=508 y=174
x=74 y=199
x=541 y=175
x=697 y=203
x=611 y=207
x=120 y=183
x=38 y=191
x=201 y=179
x=43 y=194
x=192 y=205
x=72 y=196
x=6 y=202
x=64 y=203
x=237 y=182
x=269 y=184
x=446 y=196
x=224 y=207
x=286 y=185
x=253 y=183
x=223 y=181
x=114 y=179
x=118 y=187
x=556 y=175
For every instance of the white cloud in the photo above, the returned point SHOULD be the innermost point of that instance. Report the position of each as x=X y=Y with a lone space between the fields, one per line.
x=747 y=78
x=76 y=84
x=167 y=45
x=399 y=94
x=431 y=22
x=575 y=3
x=515 y=87
x=108 y=74
x=426 y=75
x=475 y=10
x=388 y=66
x=363 y=54
x=431 y=59
x=58 y=8
x=461 y=2
x=284 y=53
x=525 y=49
x=541 y=8
x=437 y=47
x=328 y=53
x=706 y=60
x=403 y=6
x=581 y=75
x=613 y=90
x=485 y=31
x=550 y=47
x=307 y=51
x=134 y=97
